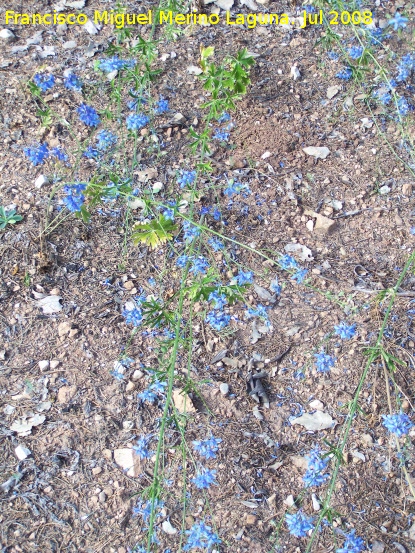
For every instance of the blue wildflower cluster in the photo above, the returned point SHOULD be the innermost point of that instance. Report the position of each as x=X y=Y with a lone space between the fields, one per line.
x=141 y=447
x=324 y=362
x=59 y=154
x=405 y=68
x=221 y=135
x=345 y=74
x=199 y=266
x=204 y=478
x=136 y=121
x=74 y=197
x=133 y=316
x=287 y=263
x=162 y=106
x=186 y=178
x=345 y=331
x=115 y=64
x=235 y=187
x=190 y=232
x=398 y=21
x=44 y=81
x=200 y=535
x=151 y=393
x=299 y=524
x=219 y=300
x=207 y=448
x=105 y=141
x=73 y=82
x=399 y=424
x=37 y=154
x=88 y=115
x=355 y=52
x=243 y=278
x=316 y=465
x=259 y=311
x=216 y=244
x=352 y=544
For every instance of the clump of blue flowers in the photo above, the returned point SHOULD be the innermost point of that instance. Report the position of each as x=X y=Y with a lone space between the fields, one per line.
x=204 y=478
x=324 y=362
x=136 y=121
x=345 y=74
x=200 y=535
x=399 y=424
x=207 y=448
x=186 y=178
x=299 y=524
x=37 y=154
x=316 y=465
x=73 y=82
x=398 y=21
x=352 y=544
x=162 y=106
x=345 y=331
x=74 y=197
x=44 y=81
x=190 y=231
x=88 y=115
x=152 y=392
x=115 y=64
x=218 y=319
x=141 y=447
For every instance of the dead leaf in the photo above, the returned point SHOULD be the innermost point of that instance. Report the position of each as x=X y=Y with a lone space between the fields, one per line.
x=182 y=402
x=316 y=421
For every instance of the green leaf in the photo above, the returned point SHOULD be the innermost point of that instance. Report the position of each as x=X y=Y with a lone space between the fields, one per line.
x=155 y=232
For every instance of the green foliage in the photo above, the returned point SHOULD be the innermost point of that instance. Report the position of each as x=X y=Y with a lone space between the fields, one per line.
x=153 y=233
x=9 y=217
x=45 y=117
x=226 y=82
x=34 y=89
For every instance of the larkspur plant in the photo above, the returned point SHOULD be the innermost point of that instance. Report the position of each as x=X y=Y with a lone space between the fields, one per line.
x=188 y=246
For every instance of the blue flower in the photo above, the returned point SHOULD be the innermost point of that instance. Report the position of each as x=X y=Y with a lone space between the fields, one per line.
x=186 y=178
x=168 y=214
x=324 y=362
x=224 y=117
x=59 y=154
x=221 y=135
x=207 y=448
x=403 y=106
x=259 y=311
x=91 y=153
x=200 y=535
x=287 y=262
x=216 y=214
x=315 y=466
x=398 y=21
x=88 y=115
x=275 y=287
x=136 y=121
x=115 y=64
x=106 y=139
x=244 y=278
x=141 y=448
x=345 y=331
x=44 y=81
x=345 y=74
x=398 y=424
x=162 y=106
x=218 y=320
x=117 y=374
x=215 y=244
x=133 y=316
x=204 y=478
x=355 y=52
x=235 y=187
x=144 y=508
x=74 y=197
x=199 y=266
x=73 y=82
x=182 y=261
x=405 y=67
x=220 y=300
x=299 y=524
x=299 y=276
x=190 y=231
x=37 y=154
x=353 y=544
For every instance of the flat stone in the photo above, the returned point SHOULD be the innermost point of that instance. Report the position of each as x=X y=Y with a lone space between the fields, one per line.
x=41 y=180
x=22 y=452
x=128 y=461
x=66 y=393
x=43 y=365
x=7 y=35
x=224 y=388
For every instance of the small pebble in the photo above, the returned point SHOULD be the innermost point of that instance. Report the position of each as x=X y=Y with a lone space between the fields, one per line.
x=43 y=365
x=224 y=388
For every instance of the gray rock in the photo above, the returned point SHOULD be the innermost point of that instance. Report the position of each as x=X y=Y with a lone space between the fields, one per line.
x=7 y=35
x=224 y=389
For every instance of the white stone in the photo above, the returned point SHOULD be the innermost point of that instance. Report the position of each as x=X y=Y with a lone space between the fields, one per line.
x=317 y=152
x=225 y=4
x=41 y=180
x=128 y=461
x=22 y=452
x=316 y=421
x=157 y=187
x=316 y=404
x=43 y=365
x=224 y=388
x=295 y=72
x=7 y=35
x=112 y=74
